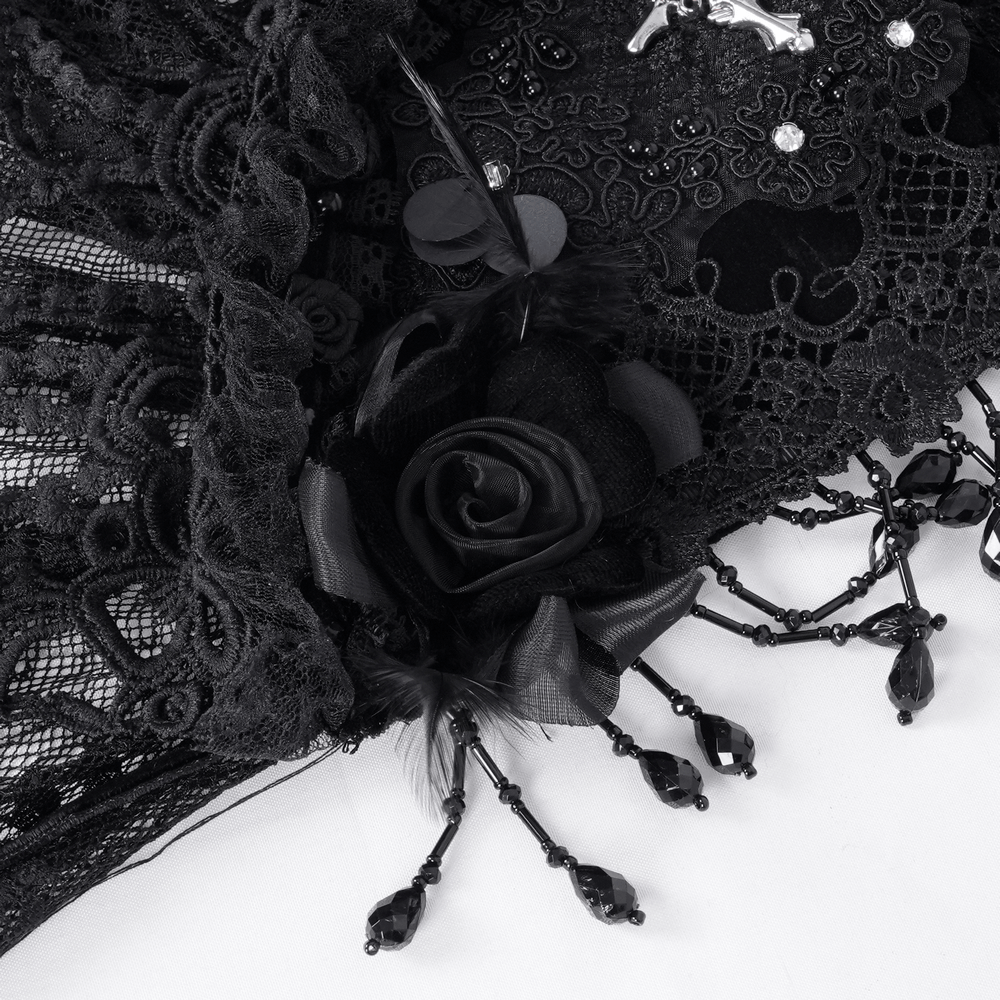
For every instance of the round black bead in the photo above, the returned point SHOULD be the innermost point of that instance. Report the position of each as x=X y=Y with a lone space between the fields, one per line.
x=560 y=53
x=956 y=441
x=879 y=476
x=680 y=123
x=793 y=620
x=372 y=947
x=821 y=81
x=534 y=88
x=637 y=917
x=938 y=622
x=808 y=518
x=556 y=856
x=634 y=148
x=838 y=94
x=506 y=78
x=652 y=172
x=762 y=636
x=694 y=128
x=904 y=718
x=838 y=634
x=671 y=166
x=696 y=713
x=683 y=706
x=509 y=794
x=700 y=803
x=653 y=151
x=569 y=862
x=749 y=771
x=726 y=575
x=431 y=874
x=832 y=69
x=824 y=516
x=453 y=806
x=696 y=171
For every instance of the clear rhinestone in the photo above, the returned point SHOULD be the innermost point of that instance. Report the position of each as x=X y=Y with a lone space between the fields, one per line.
x=788 y=137
x=900 y=34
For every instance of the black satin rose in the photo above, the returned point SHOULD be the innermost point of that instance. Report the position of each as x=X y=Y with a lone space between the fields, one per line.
x=331 y=313
x=495 y=498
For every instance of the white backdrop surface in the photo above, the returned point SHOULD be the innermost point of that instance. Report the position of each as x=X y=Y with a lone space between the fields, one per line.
x=860 y=862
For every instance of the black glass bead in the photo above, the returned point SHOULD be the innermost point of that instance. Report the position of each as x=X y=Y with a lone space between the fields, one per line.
x=727 y=746
x=680 y=123
x=683 y=705
x=989 y=549
x=652 y=172
x=932 y=471
x=911 y=681
x=671 y=167
x=506 y=78
x=808 y=518
x=858 y=586
x=675 y=780
x=430 y=873
x=560 y=54
x=546 y=43
x=956 y=441
x=793 y=620
x=762 y=636
x=609 y=895
x=534 y=88
x=838 y=634
x=832 y=69
x=881 y=560
x=393 y=921
x=653 y=151
x=821 y=81
x=622 y=745
x=696 y=171
x=635 y=148
x=509 y=794
x=967 y=502
x=726 y=575
x=555 y=857
x=694 y=128
x=845 y=502
x=838 y=94
x=888 y=627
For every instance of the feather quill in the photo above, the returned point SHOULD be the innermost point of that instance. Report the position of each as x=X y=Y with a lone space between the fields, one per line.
x=502 y=216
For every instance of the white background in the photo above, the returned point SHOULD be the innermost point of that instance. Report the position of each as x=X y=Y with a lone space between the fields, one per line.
x=860 y=862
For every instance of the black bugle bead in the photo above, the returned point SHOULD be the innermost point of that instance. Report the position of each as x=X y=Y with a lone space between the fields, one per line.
x=449 y=834
x=758 y=602
x=714 y=561
x=982 y=397
x=488 y=764
x=906 y=579
x=866 y=460
x=831 y=606
x=730 y=624
x=641 y=667
x=825 y=493
x=535 y=828
x=783 y=512
x=458 y=768
x=984 y=460
x=803 y=635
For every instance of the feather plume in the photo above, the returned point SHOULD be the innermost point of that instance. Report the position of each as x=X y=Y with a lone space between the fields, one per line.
x=502 y=217
x=422 y=692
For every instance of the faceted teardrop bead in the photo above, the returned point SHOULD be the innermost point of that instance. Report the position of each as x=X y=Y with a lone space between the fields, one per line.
x=880 y=561
x=675 y=780
x=989 y=551
x=911 y=681
x=888 y=627
x=609 y=895
x=727 y=746
x=932 y=471
x=393 y=921
x=967 y=502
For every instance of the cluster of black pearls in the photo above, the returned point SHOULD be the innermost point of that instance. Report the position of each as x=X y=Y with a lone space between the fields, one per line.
x=663 y=164
x=831 y=82
x=513 y=63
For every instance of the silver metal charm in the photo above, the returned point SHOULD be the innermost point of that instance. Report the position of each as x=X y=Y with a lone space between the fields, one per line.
x=658 y=19
x=779 y=32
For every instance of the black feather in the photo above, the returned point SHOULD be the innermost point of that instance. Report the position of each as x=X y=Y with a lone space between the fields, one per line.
x=422 y=692
x=505 y=223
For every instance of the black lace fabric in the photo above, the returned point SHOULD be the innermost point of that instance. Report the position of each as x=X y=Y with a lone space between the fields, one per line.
x=186 y=187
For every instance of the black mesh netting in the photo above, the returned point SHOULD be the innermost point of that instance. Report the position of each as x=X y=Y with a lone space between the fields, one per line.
x=176 y=176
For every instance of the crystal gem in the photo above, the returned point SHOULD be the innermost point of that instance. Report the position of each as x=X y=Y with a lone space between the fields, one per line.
x=675 y=780
x=882 y=562
x=900 y=34
x=393 y=921
x=989 y=551
x=788 y=137
x=932 y=471
x=888 y=627
x=726 y=745
x=911 y=681
x=967 y=502
x=610 y=897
